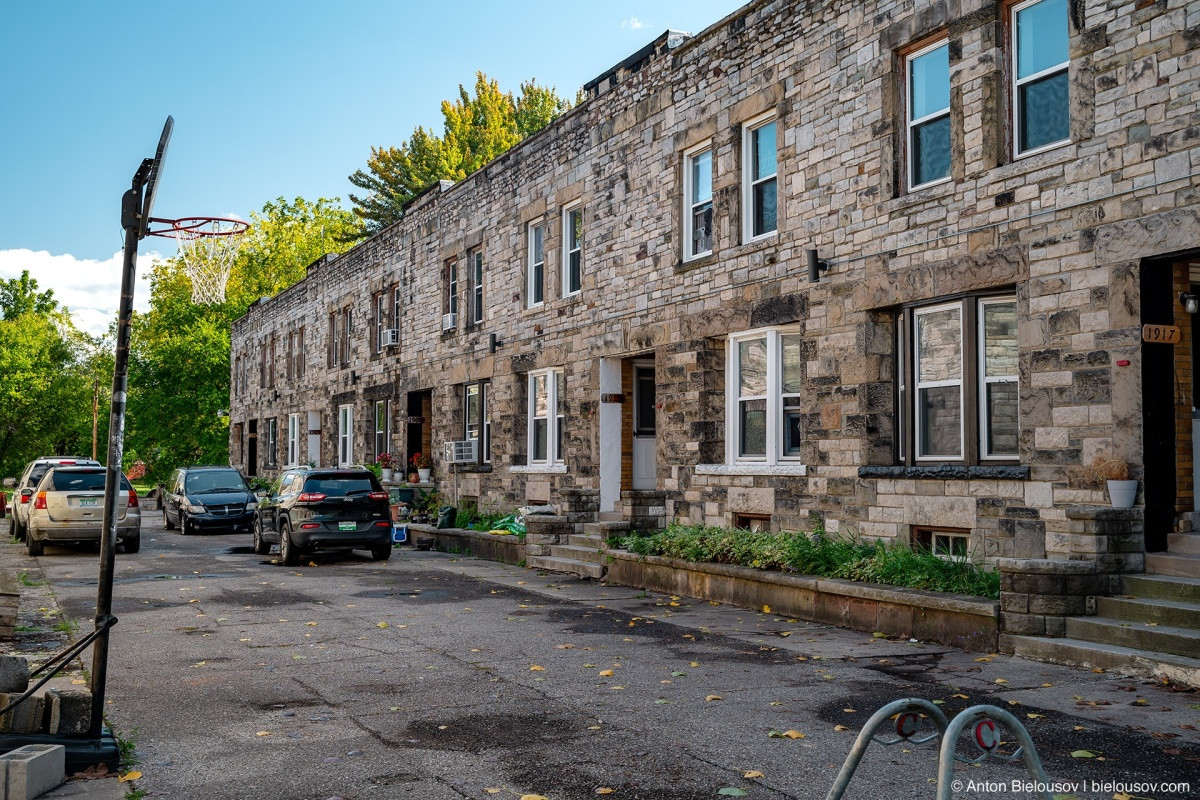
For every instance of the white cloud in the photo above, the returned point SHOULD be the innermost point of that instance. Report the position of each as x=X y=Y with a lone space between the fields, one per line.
x=633 y=24
x=91 y=289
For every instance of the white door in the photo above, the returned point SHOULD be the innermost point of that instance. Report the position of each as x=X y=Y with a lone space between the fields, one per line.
x=345 y=435
x=645 y=442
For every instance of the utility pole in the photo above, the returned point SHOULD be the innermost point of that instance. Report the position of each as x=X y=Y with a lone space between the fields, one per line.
x=95 y=415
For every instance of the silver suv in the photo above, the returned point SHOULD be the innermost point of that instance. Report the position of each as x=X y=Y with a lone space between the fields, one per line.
x=30 y=478
x=68 y=507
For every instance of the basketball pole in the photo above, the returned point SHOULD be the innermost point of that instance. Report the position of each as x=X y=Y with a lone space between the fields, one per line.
x=135 y=212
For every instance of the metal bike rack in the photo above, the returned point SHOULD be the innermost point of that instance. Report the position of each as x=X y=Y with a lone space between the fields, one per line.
x=908 y=714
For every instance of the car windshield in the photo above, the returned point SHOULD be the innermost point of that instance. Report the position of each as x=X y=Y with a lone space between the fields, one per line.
x=339 y=485
x=76 y=481
x=215 y=481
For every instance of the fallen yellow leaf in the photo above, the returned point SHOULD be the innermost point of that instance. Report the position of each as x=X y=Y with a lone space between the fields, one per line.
x=312 y=563
x=766 y=609
x=840 y=728
x=712 y=697
x=263 y=733
x=849 y=710
x=129 y=776
x=1035 y=716
x=78 y=682
x=534 y=797
x=1001 y=680
x=492 y=790
x=694 y=664
x=753 y=774
x=606 y=673
x=672 y=603
x=961 y=696
x=604 y=790
x=383 y=625
x=536 y=668
x=794 y=734
x=311 y=624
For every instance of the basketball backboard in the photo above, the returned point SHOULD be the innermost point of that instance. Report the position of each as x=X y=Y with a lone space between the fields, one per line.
x=152 y=179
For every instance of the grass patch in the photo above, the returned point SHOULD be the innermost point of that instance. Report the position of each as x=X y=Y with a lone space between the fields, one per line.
x=27 y=581
x=818 y=554
x=126 y=746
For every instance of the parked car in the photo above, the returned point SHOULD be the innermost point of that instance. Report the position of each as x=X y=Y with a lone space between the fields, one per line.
x=23 y=488
x=321 y=509
x=208 y=498
x=68 y=507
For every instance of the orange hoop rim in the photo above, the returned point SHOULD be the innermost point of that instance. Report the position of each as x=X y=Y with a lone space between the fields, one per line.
x=193 y=227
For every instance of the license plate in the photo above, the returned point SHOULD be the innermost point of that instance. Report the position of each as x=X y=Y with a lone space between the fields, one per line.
x=347 y=526
x=87 y=501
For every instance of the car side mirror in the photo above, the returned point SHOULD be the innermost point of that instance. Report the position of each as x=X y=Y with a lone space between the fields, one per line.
x=10 y=483
x=260 y=493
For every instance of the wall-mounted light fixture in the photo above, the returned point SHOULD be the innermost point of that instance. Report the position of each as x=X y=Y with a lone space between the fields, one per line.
x=815 y=266
x=494 y=343
x=1190 y=302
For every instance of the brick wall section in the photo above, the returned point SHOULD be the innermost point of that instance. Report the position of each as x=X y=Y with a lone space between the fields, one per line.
x=1067 y=229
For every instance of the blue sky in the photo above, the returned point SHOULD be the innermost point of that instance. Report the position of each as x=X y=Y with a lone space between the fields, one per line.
x=270 y=99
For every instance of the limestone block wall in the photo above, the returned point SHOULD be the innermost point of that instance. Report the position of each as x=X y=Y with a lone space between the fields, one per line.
x=1067 y=231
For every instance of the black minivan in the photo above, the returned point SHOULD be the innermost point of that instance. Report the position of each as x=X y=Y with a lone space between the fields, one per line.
x=208 y=498
x=324 y=509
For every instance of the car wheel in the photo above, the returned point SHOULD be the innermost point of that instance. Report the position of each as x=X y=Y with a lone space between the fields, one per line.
x=261 y=546
x=33 y=545
x=17 y=531
x=184 y=528
x=167 y=520
x=381 y=552
x=133 y=544
x=289 y=555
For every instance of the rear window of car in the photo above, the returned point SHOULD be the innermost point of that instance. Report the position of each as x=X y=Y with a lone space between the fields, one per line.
x=75 y=481
x=339 y=485
x=39 y=470
x=216 y=480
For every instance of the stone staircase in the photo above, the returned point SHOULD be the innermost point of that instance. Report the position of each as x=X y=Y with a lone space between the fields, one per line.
x=1182 y=558
x=1151 y=629
x=584 y=553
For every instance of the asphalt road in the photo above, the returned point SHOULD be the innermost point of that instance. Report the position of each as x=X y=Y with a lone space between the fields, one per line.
x=441 y=676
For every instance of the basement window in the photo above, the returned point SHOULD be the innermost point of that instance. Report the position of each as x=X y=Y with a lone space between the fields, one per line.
x=952 y=544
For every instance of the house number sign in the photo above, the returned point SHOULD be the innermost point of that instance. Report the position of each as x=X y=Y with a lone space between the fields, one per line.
x=1163 y=334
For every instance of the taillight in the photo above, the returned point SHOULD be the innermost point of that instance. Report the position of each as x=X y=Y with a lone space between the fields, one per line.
x=133 y=498
x=66 y=463
x=383 y=524
x=310 y=497
x=378 y=495
x=24 y=498
x=308 y=525
x=40 y=502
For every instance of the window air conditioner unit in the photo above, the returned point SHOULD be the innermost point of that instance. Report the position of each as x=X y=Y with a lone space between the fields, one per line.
x=463 y=452
x=449 y=322
x=389 y=338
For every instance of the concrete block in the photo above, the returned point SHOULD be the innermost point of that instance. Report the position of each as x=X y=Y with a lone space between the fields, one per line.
x=34 y=770
x=68 y=712
x=14 y=674
x=25 y=718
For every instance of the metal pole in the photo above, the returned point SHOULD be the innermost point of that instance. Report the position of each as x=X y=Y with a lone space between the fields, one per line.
x=116 y=446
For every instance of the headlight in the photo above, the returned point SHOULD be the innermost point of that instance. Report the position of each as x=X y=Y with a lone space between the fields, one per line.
x=191 y=509
x=251 y=505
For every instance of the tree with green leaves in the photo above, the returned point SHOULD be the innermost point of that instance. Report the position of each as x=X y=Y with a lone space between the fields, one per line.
x=179 y=367
x=476 y=129
x=20 y=295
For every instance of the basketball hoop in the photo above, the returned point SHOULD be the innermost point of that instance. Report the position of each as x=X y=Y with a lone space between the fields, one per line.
x=207 y=248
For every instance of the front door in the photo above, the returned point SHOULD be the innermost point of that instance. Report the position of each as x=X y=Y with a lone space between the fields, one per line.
x=645 y=442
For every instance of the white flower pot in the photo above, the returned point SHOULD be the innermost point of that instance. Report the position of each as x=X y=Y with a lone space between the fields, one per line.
x=423 y=474
x=387 y=474
x=1122 y=494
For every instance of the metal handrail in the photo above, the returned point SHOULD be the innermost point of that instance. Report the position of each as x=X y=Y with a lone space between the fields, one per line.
x=907 y=713
x=102 y=626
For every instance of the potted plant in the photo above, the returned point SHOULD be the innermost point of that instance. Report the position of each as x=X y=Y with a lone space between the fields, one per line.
x=1114 y=472
x=387 y=465
x=423 y=464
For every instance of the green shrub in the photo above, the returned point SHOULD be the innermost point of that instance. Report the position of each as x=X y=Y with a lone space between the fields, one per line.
x=818 y=554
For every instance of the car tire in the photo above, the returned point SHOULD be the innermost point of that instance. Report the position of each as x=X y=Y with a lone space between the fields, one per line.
x=133 y=543
x=17 y=531
x=261 y=546
x=289 y=554
x=184 y=528
x=381 y=552
x=167 y=520
x=34 y=546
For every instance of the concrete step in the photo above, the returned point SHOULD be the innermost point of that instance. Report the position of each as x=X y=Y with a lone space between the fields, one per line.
x=1183 y=544
x=1136 y=635
x=567 y=565
x=1185 y=590
x=1183 y=565
x=584 y=540
x=1112 y=658
x=1165 y=612
x=606 y=528
x=591 y=555
x=610 y=516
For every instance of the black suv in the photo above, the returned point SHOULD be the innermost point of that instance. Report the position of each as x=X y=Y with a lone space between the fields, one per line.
x=319 y=509
x=199 y=498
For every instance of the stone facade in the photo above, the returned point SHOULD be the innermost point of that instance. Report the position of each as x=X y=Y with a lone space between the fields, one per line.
x=1087 y=240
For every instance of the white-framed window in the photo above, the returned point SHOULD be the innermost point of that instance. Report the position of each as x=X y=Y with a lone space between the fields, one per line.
x=475 y=262
x=928 y=113
x=697 y=202
x=332 y=354
x=764 y=385
x=535 y=279
x=345 y=435
x=300 y=352
x=397 y=309
x=380 y=312
x=546 y=414
x=347 y=331
x=1041 y=87
x=953 y=544
x=957 y=381
x=272 y=437
x=759 y=186
x=293 y=440
x=477 y=424
x=450 y=300
x=572 y=233
x=383 y=427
